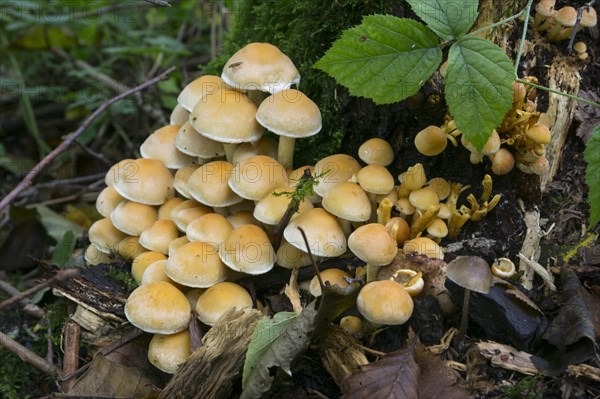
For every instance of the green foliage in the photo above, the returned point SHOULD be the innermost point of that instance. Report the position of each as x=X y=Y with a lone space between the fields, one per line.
x=63 y=252
x=123 y=277
x=384 y=58
x=388 y=59
x=266 y=331
x=305 y=188
x=592 y=174
x=528 y=388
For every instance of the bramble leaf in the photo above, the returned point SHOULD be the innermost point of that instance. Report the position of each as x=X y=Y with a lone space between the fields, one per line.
x=385 y=58
x=592 y=174
x=448 y=19
x=478 y=87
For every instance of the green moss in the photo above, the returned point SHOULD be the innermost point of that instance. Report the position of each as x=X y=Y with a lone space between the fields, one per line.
x=125 y=278
x=303 y=30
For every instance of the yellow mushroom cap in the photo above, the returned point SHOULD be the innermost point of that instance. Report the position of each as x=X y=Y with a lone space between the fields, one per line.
x=105 y=236
x=385 y=302
x=179 y=115
x=130 y=247
x=190 y=142
x=211 y=228
x=247 y=249
x=589 y=18
x=491 y=145
x=373 y=244
x=348 y=201
x=141 y=263
x=182 y=176
x=156 y=272
x=256 y=177
x=164 y=211
x=93 y=256
x=351 y=324
x=331 y=276
x=194 y=91
x=160 y=145
x=132 y=217
x=408 y=279
x=289 y=256
x=503 y=268
x=423 y=198
x=502 y=162
x=566 y=16
x=264 y=146
x=438 y=228
x=441 y=187
x=196 y=264
x=219 y=298
x=107 y=200
x=431 y=141
x=290 y=113
x=241 y=218
x=271 y=208
x=260 y=66
x=539 y=133
x=209 y=184
x=325 y=235
x=168 y=352
x=146 y=181
x=158 y=308
x=339 y=168
x=227 y=116
x=424 y=246
x=399 y=229
x=158 y=236
x=176 y=244
x=376 y=151
x=375 y=179
x=184 y=217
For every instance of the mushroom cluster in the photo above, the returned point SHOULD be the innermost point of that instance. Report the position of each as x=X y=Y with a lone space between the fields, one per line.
x=557 y=25
x=522 y=128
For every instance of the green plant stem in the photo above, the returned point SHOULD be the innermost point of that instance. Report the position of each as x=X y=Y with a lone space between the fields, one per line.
x=523 y=36
x=560 y=93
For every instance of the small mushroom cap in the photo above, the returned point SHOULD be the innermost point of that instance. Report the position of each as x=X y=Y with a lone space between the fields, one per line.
x=105 y=236
x=158 y=308
x=325 y=235
x=408 y=279
x=93 y=256
x=130 y=247
x=186 y=216
x=385 y=302
x=423 y=198
x=431 y=141
x=503 y=162
x=190 y=142
x=209 y=184
x=133 y=218
x=219 y=298
x=545 y=8
x=491 y=145
x=143 y=180
x=339 y=168
x=414 y=177
x=441 y=187
x=404 y=206
x=142 y=262
x=160 y=145
x=176 y=244
x=211 y=228
x=566 y=16
x=264 y=146
x=589 y=18
x=179 y=115
x=158 y=236
x=289 y=256
x=156 y=272
x=168 y=352
x=470 y=272
x=348 y=201
x=375 y=179
x=424 y=246
x=260 y=66
x=290 y=113
x=182 y=176
x=503 y=268
x=438 y=228
x=331 y=276
x=186 y=204
x=193 y=92
x=376 y=151
x=256 y=177
x=241 y=218
x=398 y=228
x=247 y=249
x=164 y=211
x=539 y=133
x=227 y=116
x=107 y=200
x=580 y=47
x=373 y=244
x=351 y=324
x=196 y=264
x=271 y=208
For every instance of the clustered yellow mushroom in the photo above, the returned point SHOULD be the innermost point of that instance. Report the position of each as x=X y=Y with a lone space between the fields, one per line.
x=557 y=25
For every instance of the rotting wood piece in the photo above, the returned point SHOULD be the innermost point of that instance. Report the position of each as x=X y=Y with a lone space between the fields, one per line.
x=341 y=353
x=211 y=371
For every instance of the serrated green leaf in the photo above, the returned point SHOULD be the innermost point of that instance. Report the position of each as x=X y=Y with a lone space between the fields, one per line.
x=592 y=174
x=478 y=87
x=266 y=331
x=449 y=19
x=385 y=58
x=64 y=249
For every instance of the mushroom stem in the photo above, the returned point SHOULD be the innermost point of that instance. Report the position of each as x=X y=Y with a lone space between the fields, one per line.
x=345 y=225
x=464 y=318
x=373 y=201
x=372 y=272
x=384 y=211
x=221 y=210
x=229 y=150
x=285 y=153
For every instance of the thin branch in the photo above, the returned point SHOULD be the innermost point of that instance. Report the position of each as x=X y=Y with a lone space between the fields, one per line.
x=28 y=356
x=161 y=3
x=28 y=307
x=62 y=275
x=71 y=138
